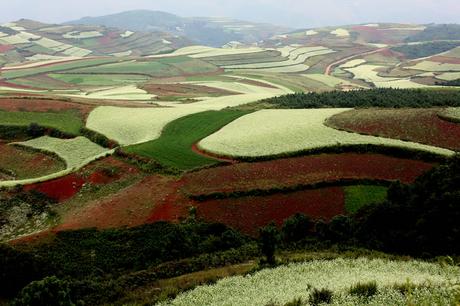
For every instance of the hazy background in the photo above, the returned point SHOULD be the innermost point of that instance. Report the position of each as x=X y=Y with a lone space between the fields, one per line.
x=293 y=13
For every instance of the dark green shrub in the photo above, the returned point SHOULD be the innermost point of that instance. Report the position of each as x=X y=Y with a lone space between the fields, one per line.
x=34 y=130
x=268 y=240
x=296 y=228
x=365 y=290
x=296 y=302
x=49 y=291
x=323 y=296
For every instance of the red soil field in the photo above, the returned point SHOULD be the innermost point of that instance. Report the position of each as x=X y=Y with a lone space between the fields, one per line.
x=12 y=85
x=304 y=170
x=5 y=48
x=64 y=188
x=248 y=214
x=445 y=59
x=154 y=198
x=59 y=189
x=26 y=164
x=39 y=105
x=417 y=125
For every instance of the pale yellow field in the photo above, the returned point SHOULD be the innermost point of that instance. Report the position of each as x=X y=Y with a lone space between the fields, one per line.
x=272 y=132
x=79 y=35
x=353 y=63
x=329 y=80
x=341 y=32
x=434 y=66
x=449 y=76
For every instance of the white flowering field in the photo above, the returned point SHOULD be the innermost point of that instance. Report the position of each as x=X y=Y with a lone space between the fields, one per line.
x=75 y=152
x=435 y=284
x=272 y=132
x=435 y=66
x=452 y=113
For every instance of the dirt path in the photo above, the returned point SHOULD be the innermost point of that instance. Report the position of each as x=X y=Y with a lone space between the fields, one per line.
x=346 y=59
x=213 y=156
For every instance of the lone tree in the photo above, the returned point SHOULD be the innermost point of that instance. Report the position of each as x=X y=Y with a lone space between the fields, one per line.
x=268 y=239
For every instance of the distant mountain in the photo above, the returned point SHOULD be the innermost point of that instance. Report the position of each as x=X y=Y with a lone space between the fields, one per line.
x=207 y=31
x=31 y=40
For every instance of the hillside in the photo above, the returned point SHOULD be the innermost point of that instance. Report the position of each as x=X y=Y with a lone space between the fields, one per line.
x=30 y=40
x=202 y=30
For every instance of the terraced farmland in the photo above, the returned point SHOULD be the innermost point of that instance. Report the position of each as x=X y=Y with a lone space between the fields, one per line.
x=67 y=122
x=174 y=147
x=276 y=132
x=17 y=163
x=302 y=171
x=416 y=125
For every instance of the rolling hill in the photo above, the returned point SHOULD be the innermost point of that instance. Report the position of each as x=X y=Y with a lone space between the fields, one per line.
x=202 y=30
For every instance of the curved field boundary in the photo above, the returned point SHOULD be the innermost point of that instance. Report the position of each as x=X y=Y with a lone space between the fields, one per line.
x=417 y=125
x=451 y=114
x=77 y=153
x=269 y=133
x=174 y=147
x=299 y=173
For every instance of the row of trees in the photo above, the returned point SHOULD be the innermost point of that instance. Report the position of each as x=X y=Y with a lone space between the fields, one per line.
x=426 y=49
x=380 y=97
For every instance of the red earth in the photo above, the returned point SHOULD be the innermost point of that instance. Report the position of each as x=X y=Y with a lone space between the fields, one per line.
x=66 y=187
x=42 y=105
x=306 y=170
x=248 y=214
x=417 y=125
x=445 y=59
x=152 y=199
x=5 y=48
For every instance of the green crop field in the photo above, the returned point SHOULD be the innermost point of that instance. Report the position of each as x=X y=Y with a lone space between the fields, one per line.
x=174 y=147
x=18 y=73
x=99 y=80
x=162 y=67
x=362 y=195
x=67 y=122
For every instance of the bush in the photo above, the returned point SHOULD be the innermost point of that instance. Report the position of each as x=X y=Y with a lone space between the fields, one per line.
x=47 y=292
x=323 y=296
x=296 y=228
x=365 y=290
x=34 y=130
x=296 y=302
x=268 y=240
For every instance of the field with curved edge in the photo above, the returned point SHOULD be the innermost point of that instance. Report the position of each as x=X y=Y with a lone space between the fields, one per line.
x=452 y=113
x=417 y=125
x=174 y=147
x=67 y=122
x=17 y=163
x=432 y=284
x=250 y=213
x=75 y=152
x=276 y=132
x=305 y=170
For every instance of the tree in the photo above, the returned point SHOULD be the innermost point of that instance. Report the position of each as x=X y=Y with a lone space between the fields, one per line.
x=296 y=228
x=35 y=130
x=50 y=291
x=268 y=239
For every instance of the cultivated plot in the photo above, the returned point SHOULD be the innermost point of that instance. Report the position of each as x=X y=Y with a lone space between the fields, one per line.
x=274 y=132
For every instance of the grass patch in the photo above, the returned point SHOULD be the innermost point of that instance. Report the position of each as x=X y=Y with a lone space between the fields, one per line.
x=362 y=195
x=18 y=73
x=99 y=80
x=67 y=122
x=173 y=148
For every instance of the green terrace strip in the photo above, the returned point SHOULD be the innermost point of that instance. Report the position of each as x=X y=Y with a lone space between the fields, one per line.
x=18 y=73
x=362 y=195
x=66 y=122
x=174 y=147
x=99 y=80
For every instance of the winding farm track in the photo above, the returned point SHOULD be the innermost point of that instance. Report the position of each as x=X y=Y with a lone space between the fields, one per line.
x=346 y=59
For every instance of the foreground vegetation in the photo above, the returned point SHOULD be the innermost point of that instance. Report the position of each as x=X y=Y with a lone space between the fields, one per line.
x=340 y=281
x=97 y=267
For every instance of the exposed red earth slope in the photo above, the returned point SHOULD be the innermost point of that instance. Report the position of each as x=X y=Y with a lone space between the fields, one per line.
x=302 y=170
x=42 y=105
x=417 y=125
x=248 y=214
